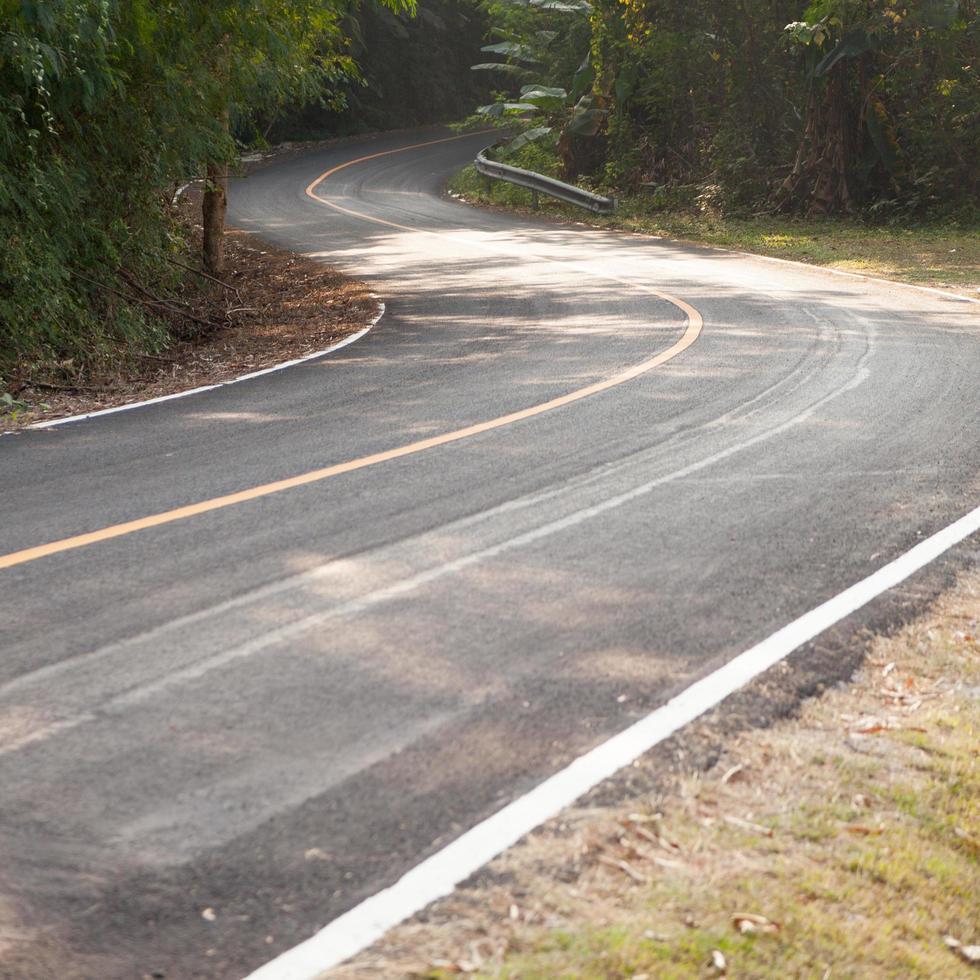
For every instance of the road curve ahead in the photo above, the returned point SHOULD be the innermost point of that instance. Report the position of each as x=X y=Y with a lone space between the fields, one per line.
x=224 y=727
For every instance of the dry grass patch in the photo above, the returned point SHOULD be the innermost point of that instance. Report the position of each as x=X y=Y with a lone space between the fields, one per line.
x=843 y=843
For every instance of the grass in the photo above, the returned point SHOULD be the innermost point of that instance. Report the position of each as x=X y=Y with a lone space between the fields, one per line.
x=944 y=255
x=853 y=829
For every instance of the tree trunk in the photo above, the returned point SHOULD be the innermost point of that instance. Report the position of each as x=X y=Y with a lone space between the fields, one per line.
x=213 y=210
x=213 y=214
x=820 y=180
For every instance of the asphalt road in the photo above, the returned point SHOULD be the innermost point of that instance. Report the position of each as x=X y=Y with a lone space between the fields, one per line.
x=273 y=709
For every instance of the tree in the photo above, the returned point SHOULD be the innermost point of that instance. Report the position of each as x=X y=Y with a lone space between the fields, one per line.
x=861 y=62
x=227 y=62
x=546 y=45
x=258 y=55
x=105 y=107
x=856 y=105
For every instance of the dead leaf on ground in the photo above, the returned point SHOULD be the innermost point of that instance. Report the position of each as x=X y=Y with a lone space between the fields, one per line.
x=656 y=838
x=732 y=773
x=751 y=922
x=449 y=966
x=624 y=867
x=970 y=954
x=876 y=727
x=458 y=966
x=864 y=830
x=870 y=725
x=665 y=862
x=747 y=825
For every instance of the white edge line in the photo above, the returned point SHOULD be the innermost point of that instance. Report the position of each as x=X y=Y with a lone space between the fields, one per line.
x=182 y=189
x=221 y=384
x=438 y=875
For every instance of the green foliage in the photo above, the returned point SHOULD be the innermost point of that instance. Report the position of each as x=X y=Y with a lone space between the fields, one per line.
x=850 y=105
x=893 y=104
x=105 y=107
x=547 y=46
x=412 y=71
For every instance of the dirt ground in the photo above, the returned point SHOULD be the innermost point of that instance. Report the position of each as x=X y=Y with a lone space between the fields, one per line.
x=274 y=306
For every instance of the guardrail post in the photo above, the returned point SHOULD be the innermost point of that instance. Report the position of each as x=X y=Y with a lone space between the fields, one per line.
x=534 y=199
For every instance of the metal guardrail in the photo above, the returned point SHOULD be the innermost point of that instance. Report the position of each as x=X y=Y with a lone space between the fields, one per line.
x=539 y=184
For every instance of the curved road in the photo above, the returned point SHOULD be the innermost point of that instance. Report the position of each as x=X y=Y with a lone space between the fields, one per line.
x=272 y=708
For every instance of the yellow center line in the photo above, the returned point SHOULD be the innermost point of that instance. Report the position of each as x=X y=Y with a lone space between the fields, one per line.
x=693 y=329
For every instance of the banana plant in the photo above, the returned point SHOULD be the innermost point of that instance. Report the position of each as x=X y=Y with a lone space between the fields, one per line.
x=540 y=45
x=849 y=134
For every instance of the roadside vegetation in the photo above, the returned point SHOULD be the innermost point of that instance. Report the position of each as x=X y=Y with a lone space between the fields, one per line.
x=943 y=253
x=108 y=107
x=105 y=109
x=865 y=107
x=838 y=132
x=841 y=843
x=270 y=305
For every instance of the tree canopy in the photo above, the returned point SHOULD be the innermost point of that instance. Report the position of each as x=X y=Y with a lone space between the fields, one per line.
x=106 y=106
x=826 y=106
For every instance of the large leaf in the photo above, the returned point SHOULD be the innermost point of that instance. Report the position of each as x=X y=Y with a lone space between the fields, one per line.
x=530 y=136
x=586 y=119
x=497 y=109
x=586 y=122
x=544 y=97
x=503 y=66
x=512 y=50
x=584 y=77
x=545 y=90
x=625 y=83
x=853 y=44
x=564 y=6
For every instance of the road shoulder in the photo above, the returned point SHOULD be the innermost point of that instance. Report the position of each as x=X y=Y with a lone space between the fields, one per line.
x=772 y=837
